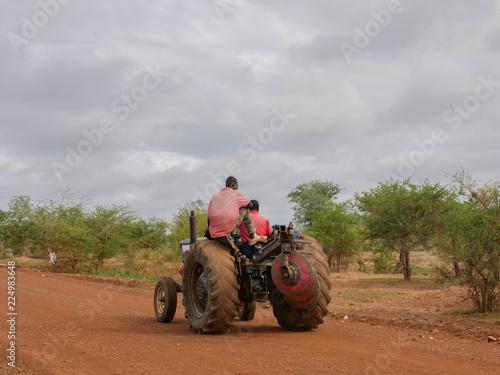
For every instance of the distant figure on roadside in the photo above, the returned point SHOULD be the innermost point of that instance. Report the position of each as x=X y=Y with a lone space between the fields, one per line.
x=262 y=228
x=52 y=258
x=227 y=210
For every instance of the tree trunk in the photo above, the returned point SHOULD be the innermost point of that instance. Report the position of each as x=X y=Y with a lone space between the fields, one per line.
x=338 y=262
x=404 y=256
x=100 y=262
x=456 y=267
x=347 y=260
x=329 y=256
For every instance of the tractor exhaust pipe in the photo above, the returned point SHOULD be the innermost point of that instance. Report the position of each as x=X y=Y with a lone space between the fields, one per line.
x=192 y=228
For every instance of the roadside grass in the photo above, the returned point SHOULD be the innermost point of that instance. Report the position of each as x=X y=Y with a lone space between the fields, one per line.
x=399 y=281
x=38 y=264
x=423 y=271
x=361 y=295
x=128 y=273
x=152 y=273
x=469 y=313
x=149 y=270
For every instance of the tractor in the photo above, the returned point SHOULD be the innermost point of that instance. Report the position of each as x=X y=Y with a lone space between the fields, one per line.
x=220 y=283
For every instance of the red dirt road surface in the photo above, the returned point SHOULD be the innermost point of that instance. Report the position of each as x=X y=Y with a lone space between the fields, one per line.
x=68 y=324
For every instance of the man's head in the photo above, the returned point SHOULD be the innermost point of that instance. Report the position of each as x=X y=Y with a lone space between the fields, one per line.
x=255 y=205
x=232 y=182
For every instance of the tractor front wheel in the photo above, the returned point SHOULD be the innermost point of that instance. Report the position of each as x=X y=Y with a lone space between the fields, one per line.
x=165 y=299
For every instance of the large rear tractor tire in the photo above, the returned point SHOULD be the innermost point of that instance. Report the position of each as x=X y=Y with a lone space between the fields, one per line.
x=210 y=288
x=246 y=311
x=295 y=319
x=165 y=299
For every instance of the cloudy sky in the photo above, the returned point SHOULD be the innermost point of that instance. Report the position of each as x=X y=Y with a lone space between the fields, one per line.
x=153 y=103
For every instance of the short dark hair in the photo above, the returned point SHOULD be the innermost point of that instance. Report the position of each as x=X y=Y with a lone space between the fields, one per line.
x=255 y=205
x=231 y=180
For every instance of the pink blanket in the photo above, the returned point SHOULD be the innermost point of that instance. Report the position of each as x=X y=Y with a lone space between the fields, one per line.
x=223 y=211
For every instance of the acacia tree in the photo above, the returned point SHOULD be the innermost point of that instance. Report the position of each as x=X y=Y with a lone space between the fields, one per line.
x=149 y=234
x=178 y=225
x=472 y=240
x=4 y=216
x=447 y=241
x=334 y=229
x=402 y=216
x=109 y=232
x=20 y=230
x=310 y=197
x=62 y=228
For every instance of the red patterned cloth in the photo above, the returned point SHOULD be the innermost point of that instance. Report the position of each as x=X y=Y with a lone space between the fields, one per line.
x=262 y=226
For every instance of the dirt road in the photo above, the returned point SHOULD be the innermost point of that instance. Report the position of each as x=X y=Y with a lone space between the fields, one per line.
x=68 y=324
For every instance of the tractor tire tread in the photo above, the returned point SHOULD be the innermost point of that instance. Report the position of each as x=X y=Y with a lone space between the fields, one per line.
x=294 y=319
x=222 y=288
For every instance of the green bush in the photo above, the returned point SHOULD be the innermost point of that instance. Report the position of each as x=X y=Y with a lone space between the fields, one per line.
x=384 y=263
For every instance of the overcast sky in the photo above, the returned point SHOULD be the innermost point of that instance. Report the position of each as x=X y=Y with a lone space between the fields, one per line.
x=154 y=103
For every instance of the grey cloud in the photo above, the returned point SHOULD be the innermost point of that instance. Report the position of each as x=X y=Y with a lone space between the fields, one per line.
x=353 y=122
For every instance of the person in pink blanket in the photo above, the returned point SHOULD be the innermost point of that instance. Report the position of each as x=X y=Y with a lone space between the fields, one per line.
x=228 y=209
